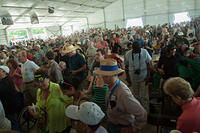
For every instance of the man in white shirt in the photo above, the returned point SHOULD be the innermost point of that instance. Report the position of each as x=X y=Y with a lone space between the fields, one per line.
x=86 y=118
x=136 y=62
x=28 y=69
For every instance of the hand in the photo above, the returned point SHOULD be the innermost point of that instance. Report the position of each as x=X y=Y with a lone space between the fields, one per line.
x=14 y=73
x=99 y=82
x=116 y=55
x=74 y=72
x=32 y=112
x=153 y=69
x=161 y=71
x=91 y=78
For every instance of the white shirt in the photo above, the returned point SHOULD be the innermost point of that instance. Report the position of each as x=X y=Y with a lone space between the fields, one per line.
x=101 y=129
x=28 y=69
x=137 y=63
x=191 y=31
x=4 y=122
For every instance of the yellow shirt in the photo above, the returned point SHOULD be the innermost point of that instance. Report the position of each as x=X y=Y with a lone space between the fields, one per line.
x=55 y=108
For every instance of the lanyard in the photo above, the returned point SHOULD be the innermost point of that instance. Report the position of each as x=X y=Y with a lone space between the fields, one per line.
x=112 y=91
x=133 y=59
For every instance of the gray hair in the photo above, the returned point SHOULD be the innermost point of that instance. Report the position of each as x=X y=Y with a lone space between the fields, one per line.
x=178 y=87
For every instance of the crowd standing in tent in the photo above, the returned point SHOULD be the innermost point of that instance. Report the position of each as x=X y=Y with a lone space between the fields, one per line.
x=76 y=82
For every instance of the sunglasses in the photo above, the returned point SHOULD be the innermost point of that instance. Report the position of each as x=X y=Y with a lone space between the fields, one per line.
x=39 y=78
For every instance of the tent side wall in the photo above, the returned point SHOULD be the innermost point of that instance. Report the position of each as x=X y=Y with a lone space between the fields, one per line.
x=3 y=37
x=153 y=12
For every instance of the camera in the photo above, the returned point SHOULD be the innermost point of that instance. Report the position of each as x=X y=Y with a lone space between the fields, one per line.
x=137 y=72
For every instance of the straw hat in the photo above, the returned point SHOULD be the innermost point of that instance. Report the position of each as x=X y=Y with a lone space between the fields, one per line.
x=68 y=48
x=108 y=67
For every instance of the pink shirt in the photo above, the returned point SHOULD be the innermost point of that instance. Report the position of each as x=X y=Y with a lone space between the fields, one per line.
x=16 y=80
x=100 y=46
x=116 y=40
x=189 y=121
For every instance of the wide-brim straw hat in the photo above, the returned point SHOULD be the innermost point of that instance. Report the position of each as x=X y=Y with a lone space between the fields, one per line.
x=108 y=67
x=68 y=48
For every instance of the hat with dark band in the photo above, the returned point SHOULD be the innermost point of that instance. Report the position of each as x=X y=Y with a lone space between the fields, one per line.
x=108 y=67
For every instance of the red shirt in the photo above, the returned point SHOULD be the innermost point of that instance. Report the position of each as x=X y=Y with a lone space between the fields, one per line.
x=29 y=56
x=189 y=121
x=18 y=81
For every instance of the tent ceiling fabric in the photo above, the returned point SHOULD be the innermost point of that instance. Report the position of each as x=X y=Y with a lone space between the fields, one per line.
x=65 y=11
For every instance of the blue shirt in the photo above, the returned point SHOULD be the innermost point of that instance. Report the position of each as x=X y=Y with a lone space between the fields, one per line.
x=76 y=62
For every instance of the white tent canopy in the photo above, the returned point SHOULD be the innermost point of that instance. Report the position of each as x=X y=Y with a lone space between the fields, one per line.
x=65 y=11
x=83 y=14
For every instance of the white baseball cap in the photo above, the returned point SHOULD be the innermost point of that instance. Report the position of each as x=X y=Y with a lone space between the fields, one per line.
x=88 y=112
x=13 y=50
x=5 y=68
x=38 y=45
x=180 y=34
x=174 y=131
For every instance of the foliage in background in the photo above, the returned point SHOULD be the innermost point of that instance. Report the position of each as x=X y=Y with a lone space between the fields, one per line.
x=38 y=31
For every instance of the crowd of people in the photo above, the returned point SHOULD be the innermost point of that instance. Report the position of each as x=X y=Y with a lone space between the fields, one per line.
x=76 y=81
